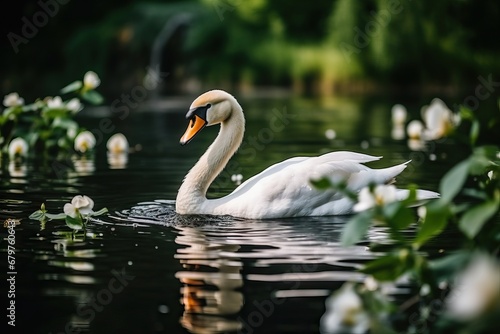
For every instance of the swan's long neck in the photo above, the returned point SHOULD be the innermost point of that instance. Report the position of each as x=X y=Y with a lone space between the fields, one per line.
x=191 y=197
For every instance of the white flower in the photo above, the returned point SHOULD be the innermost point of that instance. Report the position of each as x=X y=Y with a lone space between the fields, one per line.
x=330 y=134
x=13 y=100
x=414 y=129
x=422 y=212
x=371 y=283
x=382 y=194
x=439 y=120
x=84 y=141
x=117 y=143
x=79 y=204
x=74 y=105
x=399 y=113
x=18 y=147
x=344 y=313
x=477 y=289
x=237 y=178
x=55 y=103
x=91 y=80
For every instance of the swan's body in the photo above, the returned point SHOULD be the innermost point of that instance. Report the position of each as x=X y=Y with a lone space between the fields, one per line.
x=282 y=190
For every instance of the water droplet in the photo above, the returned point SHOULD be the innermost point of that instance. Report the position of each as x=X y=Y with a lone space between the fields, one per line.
x=365 y=144
x=432 y=157
x=130 y=263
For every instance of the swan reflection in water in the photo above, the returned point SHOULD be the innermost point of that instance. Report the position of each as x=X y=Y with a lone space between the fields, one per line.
x=210 y=282
x=288 y=256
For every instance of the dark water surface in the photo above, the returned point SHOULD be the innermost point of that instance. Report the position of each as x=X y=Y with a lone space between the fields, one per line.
x=142 y=269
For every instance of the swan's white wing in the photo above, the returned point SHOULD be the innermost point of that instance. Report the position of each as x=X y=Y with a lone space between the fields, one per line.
x=284 y=189
x=273 y=169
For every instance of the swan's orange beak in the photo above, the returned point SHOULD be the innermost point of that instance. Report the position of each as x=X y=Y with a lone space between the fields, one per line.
x=196 y=124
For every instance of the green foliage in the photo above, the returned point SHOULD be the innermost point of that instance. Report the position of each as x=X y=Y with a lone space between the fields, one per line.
x=469 y=206
x=47 y=125
x=75 y=219
x=317 y=45
x=356 y=229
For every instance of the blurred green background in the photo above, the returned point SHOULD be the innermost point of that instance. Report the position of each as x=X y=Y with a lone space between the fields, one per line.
x=319 y=47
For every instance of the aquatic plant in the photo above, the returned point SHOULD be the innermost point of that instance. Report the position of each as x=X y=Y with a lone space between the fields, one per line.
x=469 y=206
x=76 y=213
x=47 y=126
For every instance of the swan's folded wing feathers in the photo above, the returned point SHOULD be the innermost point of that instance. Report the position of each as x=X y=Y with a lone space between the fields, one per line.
x=340 y=156
x=269 y=171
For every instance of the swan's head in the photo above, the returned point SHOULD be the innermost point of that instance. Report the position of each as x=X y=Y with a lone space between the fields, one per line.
x=212 y=107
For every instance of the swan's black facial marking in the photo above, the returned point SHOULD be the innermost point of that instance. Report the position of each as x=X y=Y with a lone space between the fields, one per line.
x=197 y=121
x=198 y=111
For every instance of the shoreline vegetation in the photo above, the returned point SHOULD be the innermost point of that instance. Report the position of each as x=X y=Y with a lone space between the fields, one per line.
x=316 y=48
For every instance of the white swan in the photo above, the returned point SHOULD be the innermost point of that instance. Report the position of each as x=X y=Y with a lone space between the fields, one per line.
x=282 y=190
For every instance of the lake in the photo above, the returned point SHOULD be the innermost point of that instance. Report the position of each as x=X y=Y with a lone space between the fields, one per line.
x=143 y=269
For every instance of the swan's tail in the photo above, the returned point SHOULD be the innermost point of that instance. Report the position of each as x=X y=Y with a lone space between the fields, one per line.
x=423 y=196
x=388 y=175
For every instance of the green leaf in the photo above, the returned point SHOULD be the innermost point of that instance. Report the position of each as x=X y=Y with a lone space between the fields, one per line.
x=447 y=266
x=93 y=97
x=435 y=221
x=64 y=123
x=356 y=228
x=386 y=268
x=474 y=132
x=99 y=213
x=322 y=184
x=488 y=151
x=56 y=216
x=74 y=223
x=53 y=113
x=37 y=215
x=466 y=113
x=402 y=218
x=473 y=220
x=479 y=164
x=11 y=111
x=72 y=87
x=452 y=182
